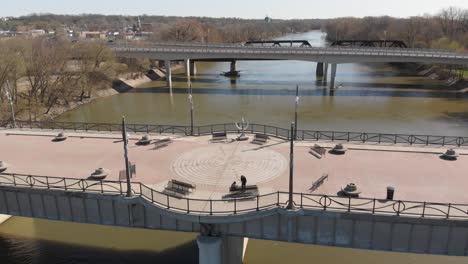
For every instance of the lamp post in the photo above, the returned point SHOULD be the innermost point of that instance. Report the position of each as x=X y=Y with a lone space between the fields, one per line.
x=290 y=204
x=8 y=94
x=127 y=167
x=190 y=97
x=295 y=112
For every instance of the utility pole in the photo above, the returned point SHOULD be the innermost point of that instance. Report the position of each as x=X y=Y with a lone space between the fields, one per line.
x=290 y=204
x=127 y=167
x=190 y=97
x=295 y=112
x=10 y=99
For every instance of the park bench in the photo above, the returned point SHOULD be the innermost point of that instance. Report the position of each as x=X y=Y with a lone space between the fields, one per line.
x=160 y=143
x=178 y=188
x=218 y=136
x=260 y=139
x=318 y=183
x=250 y=192
x=318 y=151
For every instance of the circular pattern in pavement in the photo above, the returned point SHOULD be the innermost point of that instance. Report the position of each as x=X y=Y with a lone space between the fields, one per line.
x=221 y=164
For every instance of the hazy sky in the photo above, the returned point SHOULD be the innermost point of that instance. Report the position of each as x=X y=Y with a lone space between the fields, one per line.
x=232 y=8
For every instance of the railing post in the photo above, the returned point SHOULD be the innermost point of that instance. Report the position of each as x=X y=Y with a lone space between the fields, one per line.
x=211 y=207
x=424 y=209
x=47 y=182
x=380 y=138
x=348 y=136
x=394 y=142
x=152 y=197
x=325 y=203
x=301 y=199
x=120 y=187
x=427 y=141
x=278 y=195
x=188 y=206
x=235 y=206
x=65 y=183
x=258 y=199
x=167 y=201
x=373 y=206
x=349 y=204
x=102 y=188
x=443 y=141
x=399 y=204
x=448 y=211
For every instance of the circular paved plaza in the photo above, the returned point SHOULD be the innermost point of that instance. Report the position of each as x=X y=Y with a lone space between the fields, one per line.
x=221 y=164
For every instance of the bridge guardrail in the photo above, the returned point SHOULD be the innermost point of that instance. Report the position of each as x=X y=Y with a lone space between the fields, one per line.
x=258 y=203
x=283 y=133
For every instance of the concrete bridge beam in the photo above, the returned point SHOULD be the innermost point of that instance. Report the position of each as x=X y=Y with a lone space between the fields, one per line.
x=167 y=63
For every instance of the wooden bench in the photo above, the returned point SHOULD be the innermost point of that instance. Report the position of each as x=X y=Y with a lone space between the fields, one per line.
x=260 y=139
x=219 y=136
x=160 y=143
x=318 y=183
x=250 y=192
x=178 y=188
x=318 y=151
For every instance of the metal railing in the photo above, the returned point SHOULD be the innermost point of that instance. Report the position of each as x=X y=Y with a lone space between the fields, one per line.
x=278 y=132
x=258 y=203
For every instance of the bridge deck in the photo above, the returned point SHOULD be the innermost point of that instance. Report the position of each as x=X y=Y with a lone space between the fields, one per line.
x=418 y=174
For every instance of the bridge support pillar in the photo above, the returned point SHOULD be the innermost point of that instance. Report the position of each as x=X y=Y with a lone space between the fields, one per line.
x=193 y=68
x=333 y=75
x=232 y=70
x=325 y=72
x=187 y=67
x=319 y=70
x=221 y=250
x=167 y=64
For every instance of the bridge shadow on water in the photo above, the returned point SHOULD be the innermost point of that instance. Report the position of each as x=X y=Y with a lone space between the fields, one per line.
x=15 y=250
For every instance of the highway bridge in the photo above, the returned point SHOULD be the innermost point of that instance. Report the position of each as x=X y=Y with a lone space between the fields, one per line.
x=322 y=55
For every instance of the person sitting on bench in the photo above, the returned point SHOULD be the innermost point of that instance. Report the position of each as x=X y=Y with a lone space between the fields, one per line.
x=244 y=182
x=233 y=187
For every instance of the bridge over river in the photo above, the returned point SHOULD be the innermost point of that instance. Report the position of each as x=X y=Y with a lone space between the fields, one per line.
x=429 y=213
x=323 y=55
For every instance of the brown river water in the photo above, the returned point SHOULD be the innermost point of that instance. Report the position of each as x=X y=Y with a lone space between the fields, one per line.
x=374 y=98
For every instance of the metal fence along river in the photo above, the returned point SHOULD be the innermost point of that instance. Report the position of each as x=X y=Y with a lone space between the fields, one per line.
x=283 y=133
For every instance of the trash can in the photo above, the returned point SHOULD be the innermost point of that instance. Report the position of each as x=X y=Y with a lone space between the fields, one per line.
x=390 y=192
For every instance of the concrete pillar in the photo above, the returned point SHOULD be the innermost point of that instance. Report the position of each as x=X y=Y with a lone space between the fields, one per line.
x=325 y=72
x=209 y=250
x=187 y=67
x=193 y=68
x=233 y=249
x=333 y=76
x=319 y=70
x=233 y=66
x=167 y=63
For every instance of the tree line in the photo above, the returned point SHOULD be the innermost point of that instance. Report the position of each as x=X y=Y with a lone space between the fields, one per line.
x=448 y=29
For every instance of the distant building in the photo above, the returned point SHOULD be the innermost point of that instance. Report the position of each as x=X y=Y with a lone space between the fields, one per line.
x=37 y=32
x=93 y=35
x=268 y=19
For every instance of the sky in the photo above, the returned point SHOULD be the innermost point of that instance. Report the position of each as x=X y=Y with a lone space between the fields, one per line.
x=284 y=9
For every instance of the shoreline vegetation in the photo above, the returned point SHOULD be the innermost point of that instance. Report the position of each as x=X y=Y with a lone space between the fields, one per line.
x=49 y=75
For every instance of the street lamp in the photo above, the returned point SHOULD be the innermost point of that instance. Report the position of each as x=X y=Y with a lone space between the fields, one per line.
x=295 y=112
x=8 y=95
x=290 y=204
x=190 y=97
x=127 y=167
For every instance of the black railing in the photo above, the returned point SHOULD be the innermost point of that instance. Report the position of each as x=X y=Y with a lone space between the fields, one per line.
x=305 y=135
x=240 y=206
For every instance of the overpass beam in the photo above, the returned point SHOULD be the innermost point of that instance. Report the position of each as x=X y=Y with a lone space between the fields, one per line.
x=333 y=75
x=325 y=72
x=167 y=64
x=319 y=71
x=187 y=67
x=193 y=68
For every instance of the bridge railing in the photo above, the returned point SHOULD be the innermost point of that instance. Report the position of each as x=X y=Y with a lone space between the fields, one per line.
x=258 y=203
x=278 y=132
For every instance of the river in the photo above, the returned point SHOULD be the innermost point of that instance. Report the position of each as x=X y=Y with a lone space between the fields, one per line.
x=374 y=98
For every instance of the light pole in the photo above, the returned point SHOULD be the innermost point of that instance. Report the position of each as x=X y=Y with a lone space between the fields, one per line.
x=190 y=97
x=127 y=167
x=290 y=204
x=8 y=94
x=295 y=112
